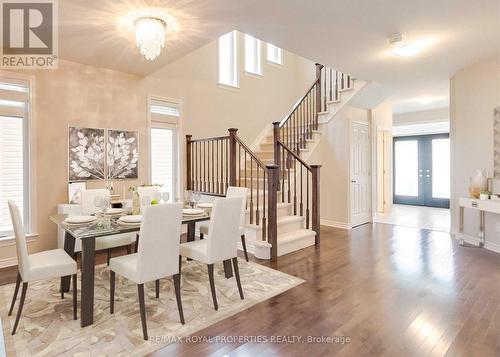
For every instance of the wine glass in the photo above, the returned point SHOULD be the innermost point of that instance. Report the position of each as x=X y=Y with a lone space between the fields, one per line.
x=197 y=198
x=146 y=200
x=186 y=198
x=97 y=201
x=165 y=196
x=105 y=201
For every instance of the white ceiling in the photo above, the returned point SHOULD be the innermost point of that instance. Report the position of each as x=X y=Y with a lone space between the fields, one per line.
x=351 y=36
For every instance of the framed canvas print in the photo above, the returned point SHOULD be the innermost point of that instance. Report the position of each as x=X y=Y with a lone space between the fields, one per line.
x=122 y=154
x=86 y=148
x=75 y=192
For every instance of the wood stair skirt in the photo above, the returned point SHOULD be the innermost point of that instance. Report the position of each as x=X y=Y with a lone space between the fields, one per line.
x=284 y=221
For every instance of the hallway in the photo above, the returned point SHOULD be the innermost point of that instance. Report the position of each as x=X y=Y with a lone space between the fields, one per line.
x=437 y=219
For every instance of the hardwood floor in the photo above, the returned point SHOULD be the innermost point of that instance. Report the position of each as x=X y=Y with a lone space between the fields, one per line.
x=391 y=290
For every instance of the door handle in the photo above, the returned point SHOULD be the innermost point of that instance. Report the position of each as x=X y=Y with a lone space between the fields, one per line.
x=353 y=181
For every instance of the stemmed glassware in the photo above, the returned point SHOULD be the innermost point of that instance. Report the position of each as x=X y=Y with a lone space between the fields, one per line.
x=165 y=195
x=197 y=198
x=146 y=201
x=105 y=202
x=97 y=201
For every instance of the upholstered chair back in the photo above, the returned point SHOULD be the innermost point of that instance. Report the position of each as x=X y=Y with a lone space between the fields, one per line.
x=224 y=229
x=158 y=251
x=21 y=247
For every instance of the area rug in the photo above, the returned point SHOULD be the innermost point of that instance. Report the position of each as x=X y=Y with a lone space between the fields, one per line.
x=47 y=327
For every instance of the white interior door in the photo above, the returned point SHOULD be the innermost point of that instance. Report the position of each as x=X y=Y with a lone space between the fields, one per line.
x=360 y=174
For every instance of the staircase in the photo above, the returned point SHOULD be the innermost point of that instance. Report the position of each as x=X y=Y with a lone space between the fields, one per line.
x=283 y=200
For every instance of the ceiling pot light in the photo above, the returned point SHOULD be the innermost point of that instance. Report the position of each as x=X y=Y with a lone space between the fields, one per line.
x=404 y=49
x=150 y=35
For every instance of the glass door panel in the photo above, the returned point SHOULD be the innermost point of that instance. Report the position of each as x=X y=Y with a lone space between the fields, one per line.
x=406 y=168
x=441 y=168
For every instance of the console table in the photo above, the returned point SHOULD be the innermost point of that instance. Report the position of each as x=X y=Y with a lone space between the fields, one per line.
x=482 y=206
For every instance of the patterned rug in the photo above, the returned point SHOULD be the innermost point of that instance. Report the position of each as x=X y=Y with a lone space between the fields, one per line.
x=47 y=327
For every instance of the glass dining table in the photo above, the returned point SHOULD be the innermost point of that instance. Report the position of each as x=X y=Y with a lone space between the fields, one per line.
x=87 y=233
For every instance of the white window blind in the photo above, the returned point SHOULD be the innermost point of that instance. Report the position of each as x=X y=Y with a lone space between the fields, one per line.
x=163 y=151
x=228 y=59
x=253 y=63
x=274 y=54
x=14 y=151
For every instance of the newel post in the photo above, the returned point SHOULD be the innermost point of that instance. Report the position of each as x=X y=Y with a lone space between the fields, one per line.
x=316 y=206
x=232 y=156
x=188 y=162
x=272 y=209
x=319 y=67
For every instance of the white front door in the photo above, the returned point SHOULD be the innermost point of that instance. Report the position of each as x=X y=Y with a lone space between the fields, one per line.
x=360 y=174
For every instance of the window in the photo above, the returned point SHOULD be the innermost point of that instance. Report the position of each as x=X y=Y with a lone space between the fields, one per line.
x=274 y=54
x=253 y=63
x=228 y=60
x=14 y=152
x=164 y=118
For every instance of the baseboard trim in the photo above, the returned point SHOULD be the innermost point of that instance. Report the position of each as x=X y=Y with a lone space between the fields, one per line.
x=335 y=224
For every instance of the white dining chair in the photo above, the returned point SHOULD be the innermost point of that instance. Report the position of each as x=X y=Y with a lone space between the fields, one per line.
x=233 y=191
x=107 y=243
x=221 y=242
x=48 y=264
x=157 y=256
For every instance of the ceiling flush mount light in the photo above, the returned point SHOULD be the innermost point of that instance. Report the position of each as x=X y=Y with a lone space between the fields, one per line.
x=150 y=33
x=405 y=49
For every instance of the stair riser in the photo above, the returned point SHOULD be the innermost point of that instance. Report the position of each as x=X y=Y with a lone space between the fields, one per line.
x=289 y=227
x=289 y=247
x=282 y=212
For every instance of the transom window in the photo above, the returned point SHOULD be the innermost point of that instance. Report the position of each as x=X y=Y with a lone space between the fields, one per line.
x=274 y=54
x=228 y=59
x=253 y=62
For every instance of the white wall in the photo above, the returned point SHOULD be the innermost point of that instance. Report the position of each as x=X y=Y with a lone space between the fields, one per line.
x=424 y=116
x=474 y=93
x=381 y=119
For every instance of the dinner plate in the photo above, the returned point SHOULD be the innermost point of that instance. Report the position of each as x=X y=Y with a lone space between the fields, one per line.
x=80 y=219
x=134 y=219
x=192 y=211
x=205 y=205
x=113 y=211
x=133 y=224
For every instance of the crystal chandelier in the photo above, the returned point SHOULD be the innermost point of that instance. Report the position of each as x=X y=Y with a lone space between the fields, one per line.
x=150 y=36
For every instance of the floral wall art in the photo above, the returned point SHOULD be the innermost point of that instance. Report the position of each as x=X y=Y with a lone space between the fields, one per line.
x=99 y=154
x=86 y=154
x=123 y=154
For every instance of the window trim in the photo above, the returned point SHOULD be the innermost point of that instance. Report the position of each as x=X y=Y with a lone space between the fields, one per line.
x=257 y=44
x=177 y=149
x=280 y=63
x=31 y=226
x=236 y=84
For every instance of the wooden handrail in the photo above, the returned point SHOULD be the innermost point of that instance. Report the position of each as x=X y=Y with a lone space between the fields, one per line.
x=284 y=120
x=297 y=157
x=250 y=152
x=209 y=139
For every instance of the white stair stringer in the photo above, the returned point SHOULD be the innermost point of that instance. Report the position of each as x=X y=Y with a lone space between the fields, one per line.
x=345 y=97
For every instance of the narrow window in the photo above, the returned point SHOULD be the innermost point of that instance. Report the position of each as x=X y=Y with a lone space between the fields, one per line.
x=164 y=118
x=274 y=54
x=228 y=61
x=253 y=63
